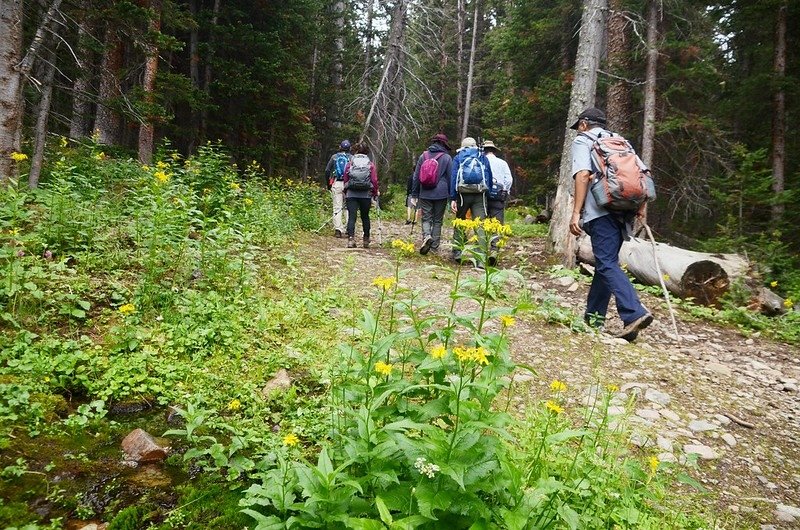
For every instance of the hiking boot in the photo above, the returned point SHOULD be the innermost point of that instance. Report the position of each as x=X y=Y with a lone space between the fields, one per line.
x=351 y=242
x=366 y=242
x=631 y=330
x=337 y=233
x=408 y=221
x=426 y=245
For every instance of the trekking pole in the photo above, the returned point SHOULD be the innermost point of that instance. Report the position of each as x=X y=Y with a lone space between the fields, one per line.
x=413 y=221
x=380 y=225
x=328 y=220
x=661 y=279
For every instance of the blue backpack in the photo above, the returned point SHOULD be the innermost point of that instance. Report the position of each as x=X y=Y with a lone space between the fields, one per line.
x=339 y=163
x=471 y=177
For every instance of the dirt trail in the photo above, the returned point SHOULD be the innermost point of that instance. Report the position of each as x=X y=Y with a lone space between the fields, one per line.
x=687 y=389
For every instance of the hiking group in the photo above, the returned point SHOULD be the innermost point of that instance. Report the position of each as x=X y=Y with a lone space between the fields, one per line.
x=612 y=188
x=476 y=182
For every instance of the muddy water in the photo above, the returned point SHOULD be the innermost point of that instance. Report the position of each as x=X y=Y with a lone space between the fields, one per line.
x=81 y=476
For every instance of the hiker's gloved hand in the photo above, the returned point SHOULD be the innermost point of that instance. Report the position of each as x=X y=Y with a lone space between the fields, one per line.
x=414 y=202
x=454 y=206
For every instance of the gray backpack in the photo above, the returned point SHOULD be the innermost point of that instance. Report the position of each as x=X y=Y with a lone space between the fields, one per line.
x=360 y=174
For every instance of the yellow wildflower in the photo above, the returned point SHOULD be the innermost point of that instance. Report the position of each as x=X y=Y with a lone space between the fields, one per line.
x=100 y=156
x=383 y=368
x=384 y=282
x=146 y=167
x=494 y=226
x=162 y=165
x=479 y=355
x=653 y=463
x=175 y=156
x=206 y=191
x=291 y=440
x=466 y=224
x=64 y=141
x=558 y=386
x=18 y=157
x=788 y=304
x=438 y=352
x=666 y=277
x=235 y=404
x=404 y=246
x=235 y=186
x=773 y=284
x=612 y=388
x=554 y=407
x=462 y=354
x=46 y=379
x=248 y=201
x=507 y=321
x=127 y=309
x=161 y=177
x=14 y=231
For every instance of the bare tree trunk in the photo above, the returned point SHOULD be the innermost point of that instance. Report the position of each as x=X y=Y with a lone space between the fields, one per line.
x=460 y=25
x=618 y=108
x=81 y=86
x=194 y=71
x=367 y=47
x=779 y=112
x=338 y=64
x=40 y=134
x=38 y=39
x=649 y=126
x=147 y=128
x=107 y=121
x=207 y=70
x=468 y=101
x=584 y=86
x=10 y=85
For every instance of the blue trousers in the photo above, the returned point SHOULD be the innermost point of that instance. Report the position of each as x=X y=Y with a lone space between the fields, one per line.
x=607 y=234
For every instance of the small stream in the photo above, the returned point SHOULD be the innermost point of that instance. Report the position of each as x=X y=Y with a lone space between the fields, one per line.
x=82 y=477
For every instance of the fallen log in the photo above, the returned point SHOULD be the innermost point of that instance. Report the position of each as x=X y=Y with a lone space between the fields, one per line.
x=705 y=277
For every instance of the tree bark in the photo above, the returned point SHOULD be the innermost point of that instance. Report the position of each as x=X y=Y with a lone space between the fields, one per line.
x=207 y=71
x=584 y=86
x=779 y=113
x=460 y=25
x=367 y=47
x=40 y=133
x=468 y=98
x=194 y=72
x=107 y=121
x=147 y=127
x=81 y=86
x=338 y=64
x=649 y=126
x=619 y=104
x=10 y=85
x=704 y=277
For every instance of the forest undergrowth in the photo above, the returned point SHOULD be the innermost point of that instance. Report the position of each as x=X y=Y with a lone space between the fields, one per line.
x=178 y=285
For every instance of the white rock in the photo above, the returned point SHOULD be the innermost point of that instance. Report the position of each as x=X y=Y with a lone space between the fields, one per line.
x=657 y=396
x=565 y=281
x=729 y=439
x=664 y=443
x=670 y=415
x=648 y=414
x=703 y=451
x=719 y=369
x=787 y=514
x=701 y=426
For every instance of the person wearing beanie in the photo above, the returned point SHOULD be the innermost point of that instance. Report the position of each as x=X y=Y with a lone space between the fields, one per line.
x=435 y=165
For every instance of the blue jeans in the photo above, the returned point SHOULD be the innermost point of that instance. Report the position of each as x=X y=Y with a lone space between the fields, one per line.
x=607 y=234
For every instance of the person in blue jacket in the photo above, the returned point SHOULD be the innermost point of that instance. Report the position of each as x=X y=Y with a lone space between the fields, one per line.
x=466 y=195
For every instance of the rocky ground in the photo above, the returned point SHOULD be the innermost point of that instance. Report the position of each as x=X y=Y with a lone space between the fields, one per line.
x=730 y=400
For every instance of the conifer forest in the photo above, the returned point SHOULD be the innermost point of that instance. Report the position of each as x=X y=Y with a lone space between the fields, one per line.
x=188 y=338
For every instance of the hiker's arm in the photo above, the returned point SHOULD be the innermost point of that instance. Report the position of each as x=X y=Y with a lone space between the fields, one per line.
x=582 y=179
x=454 y=162
x=373 y=177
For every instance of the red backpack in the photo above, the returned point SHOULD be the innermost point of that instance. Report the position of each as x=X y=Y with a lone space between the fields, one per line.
x=429 y=170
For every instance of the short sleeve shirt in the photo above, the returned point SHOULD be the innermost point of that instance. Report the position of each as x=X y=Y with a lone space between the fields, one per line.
x=582 y=161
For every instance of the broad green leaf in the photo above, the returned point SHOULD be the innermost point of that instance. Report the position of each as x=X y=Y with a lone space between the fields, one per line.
x=386 y=517
x=566 y=435
x=569 y=516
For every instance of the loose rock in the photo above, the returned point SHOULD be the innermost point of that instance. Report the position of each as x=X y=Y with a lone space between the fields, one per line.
x=281 y=381
x=657 y=396
x=701 y=426
x=141 y=447
x=703 y=451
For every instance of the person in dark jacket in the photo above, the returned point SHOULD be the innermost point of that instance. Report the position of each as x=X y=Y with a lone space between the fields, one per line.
x=433 y=201
x=462 y=200
x=359 y=200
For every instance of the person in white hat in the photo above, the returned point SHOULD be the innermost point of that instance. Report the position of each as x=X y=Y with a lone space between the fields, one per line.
x=497 y=196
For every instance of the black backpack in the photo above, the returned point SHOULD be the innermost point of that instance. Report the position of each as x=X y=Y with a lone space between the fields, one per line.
x=360 y=174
